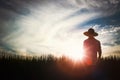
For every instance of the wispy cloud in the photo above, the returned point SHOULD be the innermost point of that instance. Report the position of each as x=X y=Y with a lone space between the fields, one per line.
x=106 y=7
x=110 y=35
x=50 y=26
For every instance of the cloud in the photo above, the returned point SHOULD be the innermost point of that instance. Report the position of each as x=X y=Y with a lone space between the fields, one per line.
x=14 y=6
x=50 y=26
x=43 y=30
x=109 y=35
x=103 y=21
x=106 y=7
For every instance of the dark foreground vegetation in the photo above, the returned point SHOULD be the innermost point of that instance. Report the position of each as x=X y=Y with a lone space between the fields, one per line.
x=51 y=68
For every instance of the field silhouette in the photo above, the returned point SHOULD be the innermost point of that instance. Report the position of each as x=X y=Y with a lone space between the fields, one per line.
x=17 y=67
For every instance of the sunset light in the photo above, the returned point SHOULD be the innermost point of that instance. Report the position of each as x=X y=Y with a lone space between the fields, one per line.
x=75 y=53
x=60 y=39
x=56 y=27
x=76 y=57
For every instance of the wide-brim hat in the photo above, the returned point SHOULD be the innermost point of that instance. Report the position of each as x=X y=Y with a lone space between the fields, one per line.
x=90 y=32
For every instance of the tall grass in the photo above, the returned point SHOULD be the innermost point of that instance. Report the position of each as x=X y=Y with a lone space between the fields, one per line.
x=18 y=67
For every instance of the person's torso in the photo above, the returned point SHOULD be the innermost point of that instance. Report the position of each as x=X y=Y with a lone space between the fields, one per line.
x=91 y=46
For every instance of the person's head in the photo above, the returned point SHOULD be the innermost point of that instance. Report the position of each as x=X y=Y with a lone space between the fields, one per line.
x=90 y=33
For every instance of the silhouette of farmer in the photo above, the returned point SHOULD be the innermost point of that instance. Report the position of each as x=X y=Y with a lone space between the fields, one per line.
x=92 y=46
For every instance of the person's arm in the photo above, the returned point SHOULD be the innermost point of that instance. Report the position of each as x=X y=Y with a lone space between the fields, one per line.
x=99 y=51
x=84 y=47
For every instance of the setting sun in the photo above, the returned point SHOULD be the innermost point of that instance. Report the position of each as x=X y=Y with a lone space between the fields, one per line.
x=75 y=53
x=76 y=57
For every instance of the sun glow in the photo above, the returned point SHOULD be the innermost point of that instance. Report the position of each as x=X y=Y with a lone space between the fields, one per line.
x=75 y=53
x=76 y=56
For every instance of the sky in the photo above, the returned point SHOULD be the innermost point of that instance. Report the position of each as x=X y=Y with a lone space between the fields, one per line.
x=38 y=27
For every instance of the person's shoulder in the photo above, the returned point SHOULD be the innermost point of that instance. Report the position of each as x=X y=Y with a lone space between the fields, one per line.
x=97 y=40
x=86 y=40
